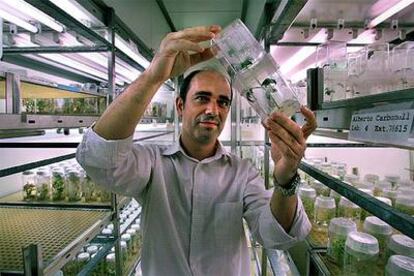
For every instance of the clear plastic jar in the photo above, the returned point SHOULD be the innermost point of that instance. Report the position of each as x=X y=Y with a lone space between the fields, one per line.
x=348 y=209
x=380 y=230
x=336 y=196
x=134 y=241
x=380 y=186
x=88 y=189
x=29 y=185
x=43 y=185
x=326 y=167
x=127 y=238
x=405 y=204
x=372 y=178
x=361 y=254
x=71 y=267
x=320 y=188
x=92 y=249
x=324 y=211
x=399 y=265
x=400 y=245
x=351 y=178
x=339 y=169
x=391 y=194
x=73 y=186
x=393 y=179
x=307 y=195
x=103 y=195
x=338 y=230
x=58 y=185
x=82 y=259
x=110 y=264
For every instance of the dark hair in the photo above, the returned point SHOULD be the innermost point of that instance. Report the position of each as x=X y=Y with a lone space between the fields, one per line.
x=185 y=85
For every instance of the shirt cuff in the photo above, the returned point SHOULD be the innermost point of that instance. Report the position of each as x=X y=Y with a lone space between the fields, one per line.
x=273 y=234
x=97 y=151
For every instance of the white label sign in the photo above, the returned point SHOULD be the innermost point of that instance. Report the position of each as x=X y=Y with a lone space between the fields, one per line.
x=389 y=127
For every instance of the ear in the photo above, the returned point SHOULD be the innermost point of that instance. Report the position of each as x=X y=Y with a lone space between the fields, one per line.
x=179 y=104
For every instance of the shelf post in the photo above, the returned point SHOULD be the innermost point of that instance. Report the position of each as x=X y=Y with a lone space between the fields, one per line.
x=12 y=93
x=32 y=260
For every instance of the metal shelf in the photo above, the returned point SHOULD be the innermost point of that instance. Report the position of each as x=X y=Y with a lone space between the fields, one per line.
x=400 y=221
x=60 y=233
x=276 y=258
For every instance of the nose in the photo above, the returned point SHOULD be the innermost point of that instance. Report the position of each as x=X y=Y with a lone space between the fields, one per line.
x=212 y=108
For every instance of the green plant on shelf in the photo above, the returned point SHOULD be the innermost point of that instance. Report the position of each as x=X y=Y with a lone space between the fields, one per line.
x=336 y=249
x=308 y=204
x=357 y=263
x=323 y=216
x=409 y=210
x=349 y=212
x=58 y=187
x=29 y=191
x=43 y=191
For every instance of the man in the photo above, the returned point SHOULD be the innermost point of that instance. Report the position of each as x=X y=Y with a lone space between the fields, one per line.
x=194 y=194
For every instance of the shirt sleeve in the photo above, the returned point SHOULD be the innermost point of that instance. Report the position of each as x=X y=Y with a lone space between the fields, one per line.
x=263 y=225
x=117 y=165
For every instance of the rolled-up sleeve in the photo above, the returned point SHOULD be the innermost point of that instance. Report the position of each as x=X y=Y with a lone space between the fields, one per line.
x=263 y=225
x=117 y=165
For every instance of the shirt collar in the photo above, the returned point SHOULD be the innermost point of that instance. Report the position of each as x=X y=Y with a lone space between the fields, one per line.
x=176 y=147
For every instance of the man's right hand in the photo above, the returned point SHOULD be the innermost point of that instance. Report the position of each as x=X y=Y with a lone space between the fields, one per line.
x=174 y=56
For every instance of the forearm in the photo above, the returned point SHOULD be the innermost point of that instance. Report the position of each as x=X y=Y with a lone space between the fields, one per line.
x=122 y=116
x=284 y=209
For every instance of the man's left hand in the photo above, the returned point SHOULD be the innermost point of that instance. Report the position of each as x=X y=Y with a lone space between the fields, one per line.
x=288 y=141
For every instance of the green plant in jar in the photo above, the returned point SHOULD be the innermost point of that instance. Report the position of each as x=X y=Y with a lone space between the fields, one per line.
x=307 y=195
x=381 y=231
x=361 y=254
x=110 y=266
x=324 y=211
x=58 y=185
x=348 y=209
x=29 y=188
x=338 y=230
x=43 y=186
x=320 y=188
x=405 y=204
x=74 y=192
x=400 y=245
x=89 y=190
x=399 y=265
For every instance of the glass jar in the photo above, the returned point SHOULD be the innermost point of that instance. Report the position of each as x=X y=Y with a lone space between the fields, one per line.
x=336 y=196
x=43 y=185
x=351 y=178
x=348 y=209
x=405 y=204
x=110 y=264
x=103 y=194
x=134 y=241
x=326 y=167
x=391 y=194
x=127 y=238
x=320 y=188
x=361 y=254
x=71 y=267
x=307 y=195
x=88 y=189
x=400 y=245
x=380 y=186
x=372 y=178
x=380 y=230
x=399 y=265
x=325 y=209
x=82 y=259
x=338 y=230
x=393 y=179
x=58 y=185
x=339 y=169
x=29 y=185
x=73 y=186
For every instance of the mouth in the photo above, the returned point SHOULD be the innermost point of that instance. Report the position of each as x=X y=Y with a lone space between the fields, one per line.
x=210 y=124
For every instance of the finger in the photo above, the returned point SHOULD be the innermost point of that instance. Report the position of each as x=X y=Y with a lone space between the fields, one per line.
x=283 y=147
x=184 y=46
x=200 y=57
x=290 y=126
x=286 y=137
x=311 y=123
x=196 y=34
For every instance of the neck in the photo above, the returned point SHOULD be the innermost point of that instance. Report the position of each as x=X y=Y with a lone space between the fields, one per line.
x=197 y=150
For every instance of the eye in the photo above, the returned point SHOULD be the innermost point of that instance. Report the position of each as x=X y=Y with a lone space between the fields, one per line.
x=201 y=99
x=224 y=103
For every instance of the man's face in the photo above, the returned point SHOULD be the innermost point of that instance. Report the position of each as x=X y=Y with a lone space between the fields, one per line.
x=206 y=107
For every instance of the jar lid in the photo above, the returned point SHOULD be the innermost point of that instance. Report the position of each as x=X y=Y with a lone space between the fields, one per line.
x=131 y=231
x=92 y=249
x=373 y=178
x=73 y=173
x=405 y=200
x=135 y=226
x=29 y=172
x=376 y=226
x=325 y=202
x=362 y=242
x=344 y=202
x=367 y=191
x=83 y=256
x=110 y=226
x=400 y=265
x=326 y=164
x=110 y=257
x=390 y=193
x=107 y=231
x=401 y=244
x=126 y=237
x=307 y=191
x=342 y=226
x=385 y=200
x=392 y=177
x=384 y=184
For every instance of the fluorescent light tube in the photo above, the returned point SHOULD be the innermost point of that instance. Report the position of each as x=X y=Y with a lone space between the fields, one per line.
x=390 y=12
x=124 y=47
x=6 y=15
x=303 y=53
x=21 y=6
x=73 y=9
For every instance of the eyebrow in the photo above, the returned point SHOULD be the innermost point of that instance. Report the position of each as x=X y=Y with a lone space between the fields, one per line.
x=206 y=93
